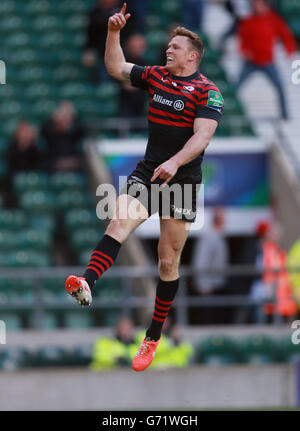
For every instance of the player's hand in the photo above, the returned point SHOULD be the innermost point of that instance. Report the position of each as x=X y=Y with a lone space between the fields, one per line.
x=165 y=171
x=118 y=20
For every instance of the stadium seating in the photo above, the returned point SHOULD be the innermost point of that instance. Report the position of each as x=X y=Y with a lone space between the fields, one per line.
x=110 y=316
x=82 y=218
x=30 y=181
x=12 y=219
x=34 y=240
x=81 y=355
x=26 y=240
x=16 y=291
x=80 y=319
x=12 y=321
x=84 y=238
x=38 y=201
x=257 y=349
x=51 y=356
x=67 y=181
x=29 y=258
x=13 y=358
x=44 y=222
x=290 y=9
x=42 y=46
x=168 y=7
x=47 y=42
x=49 y=320
x=84 y=256
x=217 y=350
x=286 y=350
x=8 y=240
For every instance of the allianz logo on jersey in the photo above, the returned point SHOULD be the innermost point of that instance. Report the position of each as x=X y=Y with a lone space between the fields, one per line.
x=178 y=104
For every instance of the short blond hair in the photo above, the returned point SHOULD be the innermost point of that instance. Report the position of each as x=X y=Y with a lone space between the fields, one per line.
x=194 y=39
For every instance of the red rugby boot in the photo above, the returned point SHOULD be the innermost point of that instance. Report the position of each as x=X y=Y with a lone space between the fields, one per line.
x=79 y=289
x=145 y=354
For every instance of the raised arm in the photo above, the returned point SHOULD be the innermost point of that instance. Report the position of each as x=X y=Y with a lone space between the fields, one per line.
x=115 y=61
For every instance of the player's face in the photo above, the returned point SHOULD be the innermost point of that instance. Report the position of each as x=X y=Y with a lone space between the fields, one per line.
x=178 y=53
x=259 y=6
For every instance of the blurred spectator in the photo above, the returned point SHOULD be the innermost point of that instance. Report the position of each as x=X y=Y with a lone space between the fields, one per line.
x=272 y=291
x=258 y=34
x=192 y=14
x=124 y=330
x=111 y=352
x=211 y=251
x=139 y=10
x=238 y=9
x=252 y=255
x=94 y=49
x=23 y=153
x=63 y=134
x=132 y=100
x=294 y=266
x=119 y=350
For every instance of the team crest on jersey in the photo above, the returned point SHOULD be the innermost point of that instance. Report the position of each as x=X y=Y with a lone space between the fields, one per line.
x=189 y=88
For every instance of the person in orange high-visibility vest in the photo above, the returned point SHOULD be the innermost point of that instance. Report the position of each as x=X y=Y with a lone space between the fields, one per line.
x=276 y=278
x=286 y=305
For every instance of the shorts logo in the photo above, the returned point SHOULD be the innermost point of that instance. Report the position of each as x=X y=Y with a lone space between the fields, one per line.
x=137 y=179
x=136 y=182
x=181 y=210
x=178 y=105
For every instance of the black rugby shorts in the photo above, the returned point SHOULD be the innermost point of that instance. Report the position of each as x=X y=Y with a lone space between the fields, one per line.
x=177 y=200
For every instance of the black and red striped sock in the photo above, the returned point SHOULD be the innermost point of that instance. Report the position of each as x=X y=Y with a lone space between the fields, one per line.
x=165 y=294
x=103 y=257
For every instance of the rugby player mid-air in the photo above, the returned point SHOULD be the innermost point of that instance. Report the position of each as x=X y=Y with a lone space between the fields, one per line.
x=184 y=111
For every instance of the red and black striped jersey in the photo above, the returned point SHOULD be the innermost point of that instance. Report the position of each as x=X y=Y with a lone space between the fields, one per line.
x=175 y=102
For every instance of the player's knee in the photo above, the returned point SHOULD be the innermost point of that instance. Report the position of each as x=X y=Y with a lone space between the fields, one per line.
x=118 y=229
x=167 y=265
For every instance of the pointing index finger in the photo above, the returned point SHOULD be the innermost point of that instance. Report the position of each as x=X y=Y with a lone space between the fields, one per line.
x=154 y=177
x=155 y=174
x=123 y=10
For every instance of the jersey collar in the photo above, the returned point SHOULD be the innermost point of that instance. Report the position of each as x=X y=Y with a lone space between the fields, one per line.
x=185 y=78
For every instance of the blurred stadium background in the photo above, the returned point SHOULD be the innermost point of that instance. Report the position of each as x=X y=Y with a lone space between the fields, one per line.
x=48 y=226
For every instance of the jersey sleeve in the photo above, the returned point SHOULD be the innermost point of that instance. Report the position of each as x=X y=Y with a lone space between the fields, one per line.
x=210 y=105
x=139 y=76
